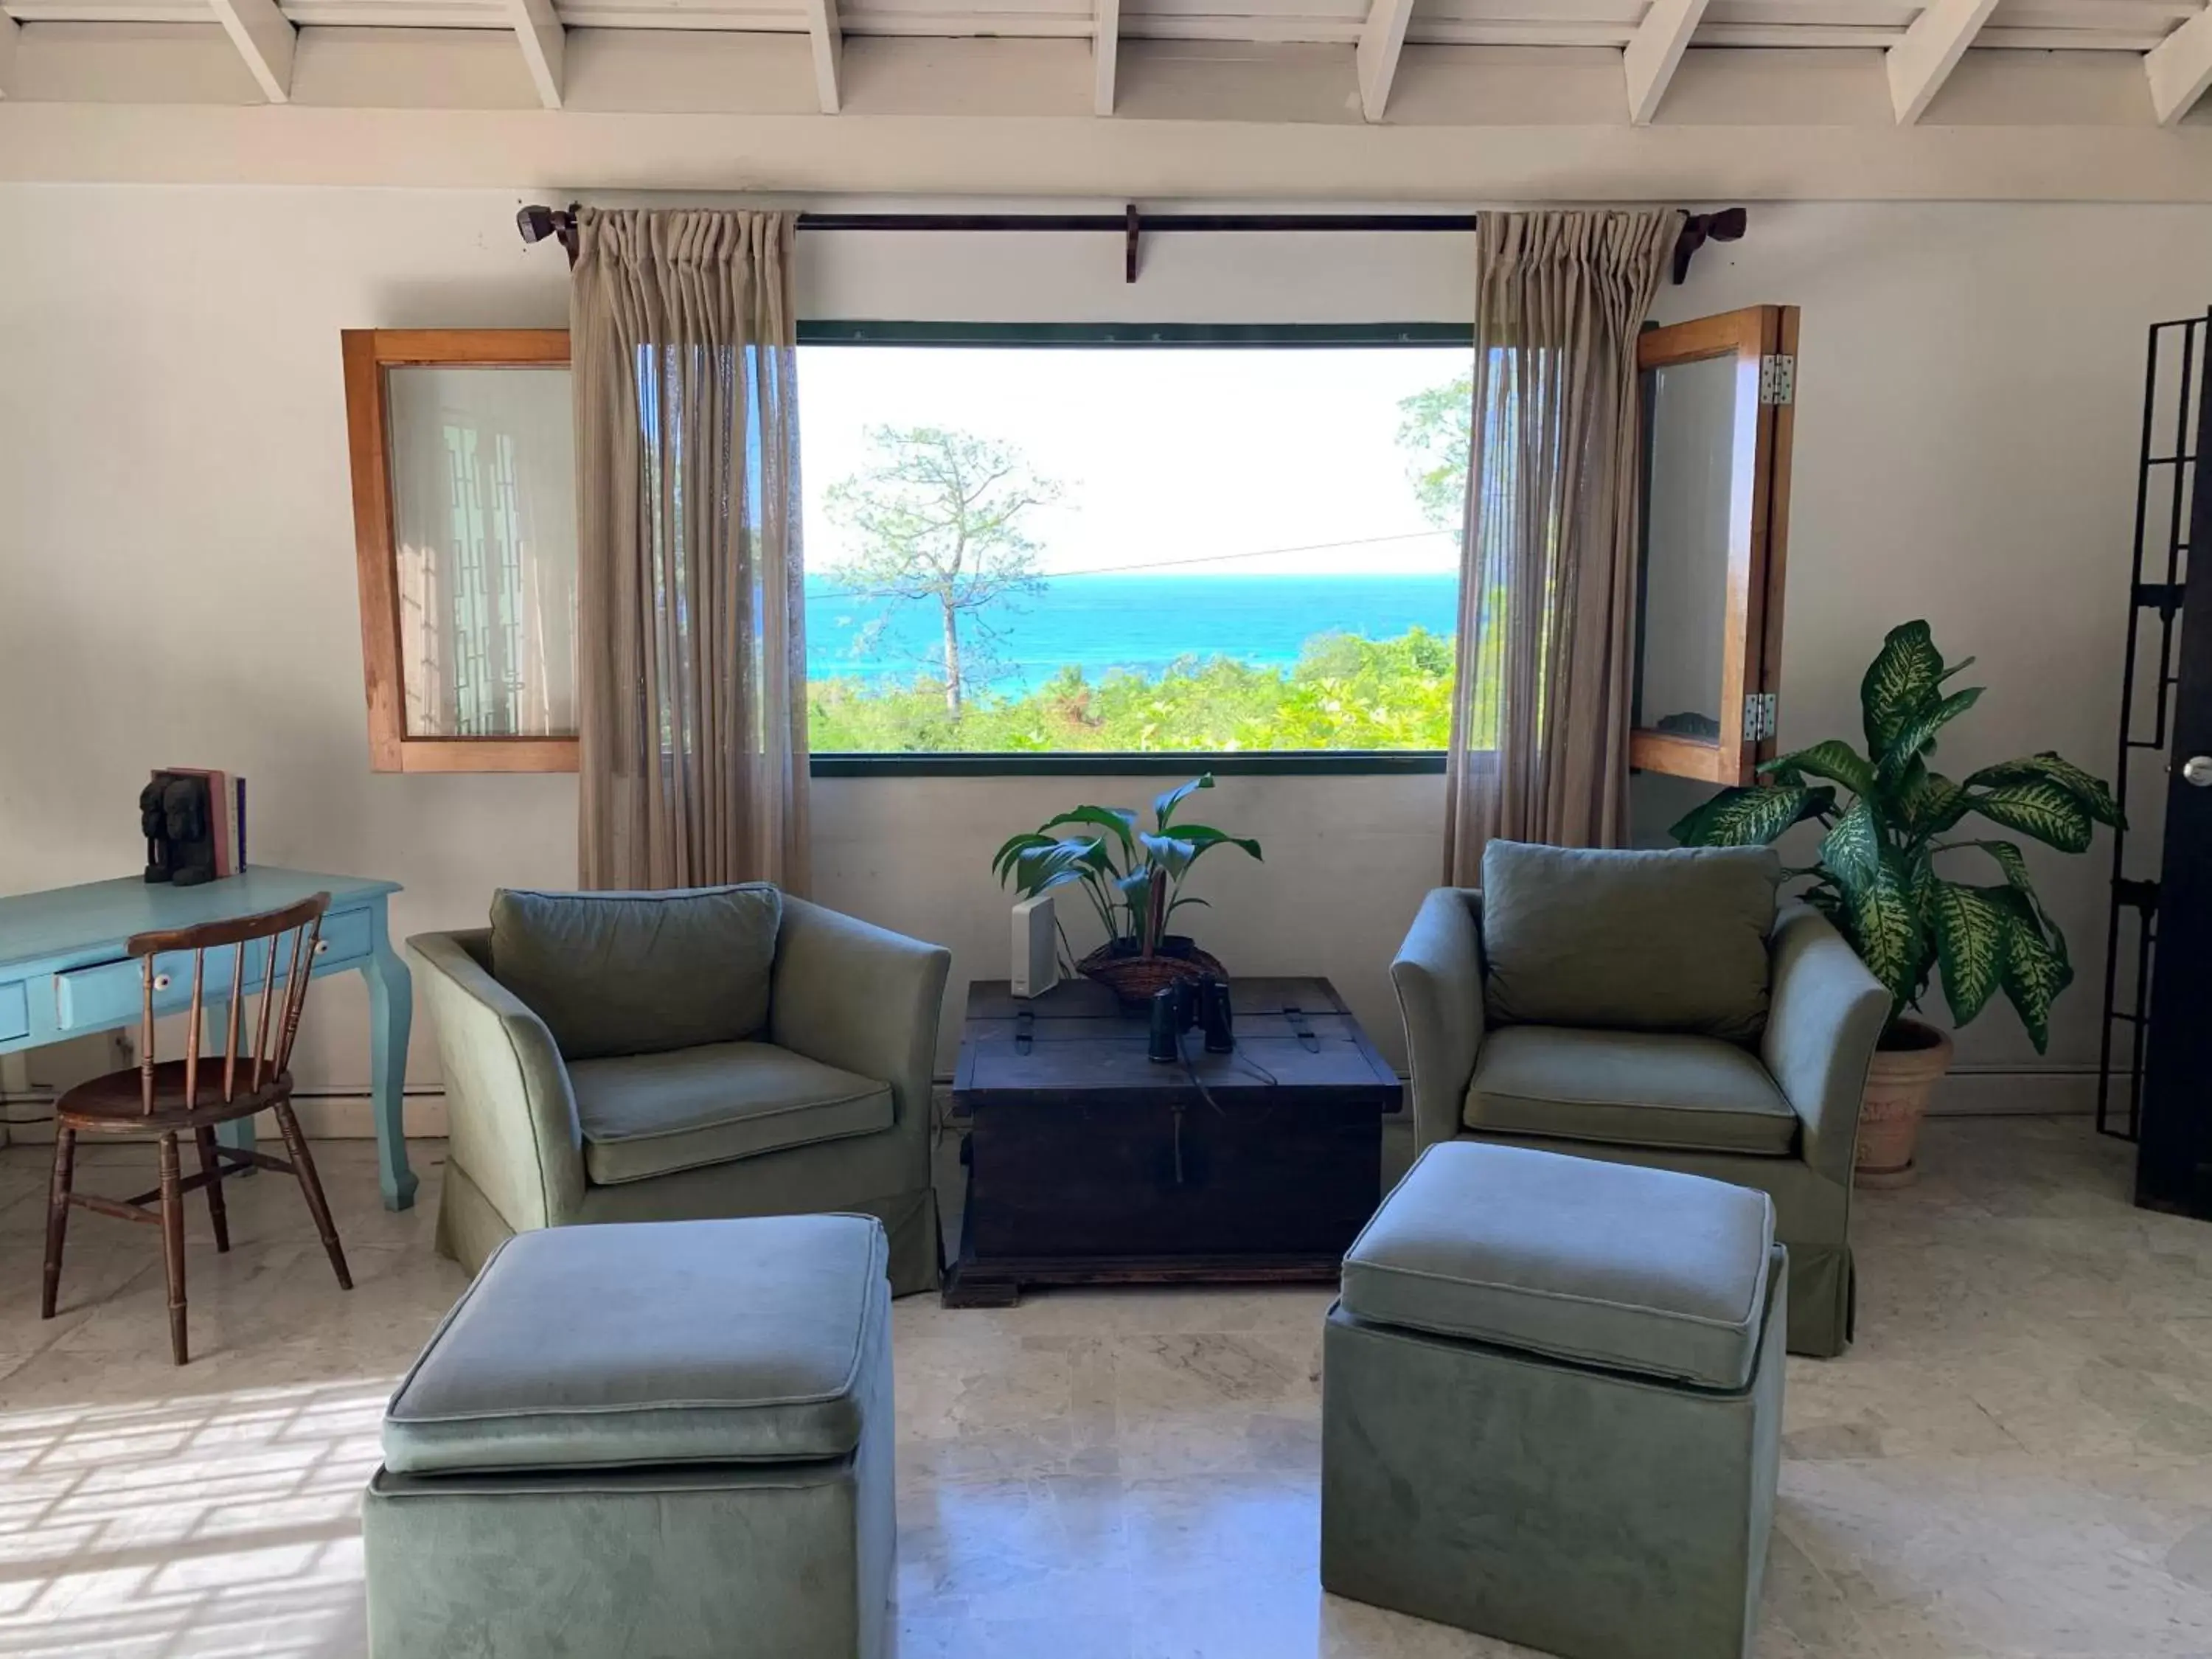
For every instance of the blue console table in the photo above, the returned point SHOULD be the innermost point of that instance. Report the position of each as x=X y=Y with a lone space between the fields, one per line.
x=63 y=972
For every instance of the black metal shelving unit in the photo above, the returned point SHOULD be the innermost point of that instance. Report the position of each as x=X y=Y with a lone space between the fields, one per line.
x=2173 y=385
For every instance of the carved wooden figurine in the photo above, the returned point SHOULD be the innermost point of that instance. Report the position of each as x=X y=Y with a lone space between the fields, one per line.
x=175 y=816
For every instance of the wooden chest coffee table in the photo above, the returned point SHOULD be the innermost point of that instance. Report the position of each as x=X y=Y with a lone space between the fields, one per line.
x=1089 y=1163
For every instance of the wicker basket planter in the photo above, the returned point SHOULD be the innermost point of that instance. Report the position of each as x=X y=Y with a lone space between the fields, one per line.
x=1134 y=978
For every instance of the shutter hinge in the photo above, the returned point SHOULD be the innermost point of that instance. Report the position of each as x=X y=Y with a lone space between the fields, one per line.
x=1777 y=379
x=1761 y=718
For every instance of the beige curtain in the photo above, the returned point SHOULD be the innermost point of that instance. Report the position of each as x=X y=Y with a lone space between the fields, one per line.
x=691 y=620
x=1547 y=575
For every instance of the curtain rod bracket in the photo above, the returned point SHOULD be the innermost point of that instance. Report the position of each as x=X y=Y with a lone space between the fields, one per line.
x=537 y=221
x=1699 y=229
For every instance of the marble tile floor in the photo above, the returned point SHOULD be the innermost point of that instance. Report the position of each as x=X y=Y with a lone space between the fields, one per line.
x=2016 y=1460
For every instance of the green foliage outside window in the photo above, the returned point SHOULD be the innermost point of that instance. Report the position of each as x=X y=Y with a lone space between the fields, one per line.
x=1344 y=692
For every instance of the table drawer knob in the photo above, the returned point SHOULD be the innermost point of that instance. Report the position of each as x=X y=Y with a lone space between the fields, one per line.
x=161 y=981
x=321 y=946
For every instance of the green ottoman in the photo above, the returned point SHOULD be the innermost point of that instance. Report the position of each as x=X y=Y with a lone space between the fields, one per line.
x=655 y=1441
x=1552 y=1405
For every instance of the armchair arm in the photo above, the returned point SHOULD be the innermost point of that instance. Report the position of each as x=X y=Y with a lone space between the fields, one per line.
x=512 y=1117
x=1826 y=1016
x=1438 y=978
x=861 y=998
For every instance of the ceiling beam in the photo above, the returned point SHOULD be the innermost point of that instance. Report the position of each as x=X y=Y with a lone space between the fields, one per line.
x=11 y=33
x=544 y=45
x=264 y=37
x=1652 y=56
x=1920 y=63
x=2180 y=68
x=1105 y=53
x=827 y=36
x=1381 y=39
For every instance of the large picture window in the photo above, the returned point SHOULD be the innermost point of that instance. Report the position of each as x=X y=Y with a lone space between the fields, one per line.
x=1060 y=541
x=1078 y=547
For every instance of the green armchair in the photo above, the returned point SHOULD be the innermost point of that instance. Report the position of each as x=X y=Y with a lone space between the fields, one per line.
x=1657 y=1009
x=657 y=1101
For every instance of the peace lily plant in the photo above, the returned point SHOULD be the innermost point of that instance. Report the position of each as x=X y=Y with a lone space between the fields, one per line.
x=1894 y=842
x=1133 y=878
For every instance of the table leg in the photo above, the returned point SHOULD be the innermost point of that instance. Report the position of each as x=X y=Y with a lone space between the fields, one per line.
x=965 y=1287
x=391 y=1014
x=965 y=1284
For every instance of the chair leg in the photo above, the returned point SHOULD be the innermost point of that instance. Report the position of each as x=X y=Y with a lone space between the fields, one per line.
x=303 y=1165
x=211 y=1167
x=58 y=1209
x=172 y=1245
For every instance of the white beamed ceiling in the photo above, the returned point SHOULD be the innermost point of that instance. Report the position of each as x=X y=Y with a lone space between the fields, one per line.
x=1312 y=99
x=2126 y=25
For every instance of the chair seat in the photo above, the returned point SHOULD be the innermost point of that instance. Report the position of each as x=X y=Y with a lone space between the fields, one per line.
x=644 y=1115
x=115 y=1101
x=1629 y=1089
x=744 y=1341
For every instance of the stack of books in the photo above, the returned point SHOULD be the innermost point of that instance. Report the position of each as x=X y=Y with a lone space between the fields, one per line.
x=227 y=801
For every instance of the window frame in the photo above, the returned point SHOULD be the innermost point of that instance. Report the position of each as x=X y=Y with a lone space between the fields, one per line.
x=369 y=355
x=1075 y=762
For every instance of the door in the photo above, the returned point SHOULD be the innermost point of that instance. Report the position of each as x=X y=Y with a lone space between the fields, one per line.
x=2174 y=1167
x=1719 y=404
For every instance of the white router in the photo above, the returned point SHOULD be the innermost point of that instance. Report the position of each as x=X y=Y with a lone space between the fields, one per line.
x=1036 y=957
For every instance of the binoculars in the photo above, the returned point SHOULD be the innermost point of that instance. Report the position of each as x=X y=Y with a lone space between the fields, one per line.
x=1204 y=1002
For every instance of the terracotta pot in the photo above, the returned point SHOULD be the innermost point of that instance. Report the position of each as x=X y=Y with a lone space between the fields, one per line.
x=1897 y=1090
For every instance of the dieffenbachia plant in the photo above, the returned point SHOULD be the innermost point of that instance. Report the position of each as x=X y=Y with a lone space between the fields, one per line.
x=1877 y=878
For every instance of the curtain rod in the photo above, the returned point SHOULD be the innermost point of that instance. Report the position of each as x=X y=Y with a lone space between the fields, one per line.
x=538 y=221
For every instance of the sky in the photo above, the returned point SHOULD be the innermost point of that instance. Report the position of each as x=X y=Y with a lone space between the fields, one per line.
x=1166 y=454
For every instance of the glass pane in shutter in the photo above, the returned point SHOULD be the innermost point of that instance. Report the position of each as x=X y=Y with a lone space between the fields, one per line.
x=484 y=519
x=1688 y=489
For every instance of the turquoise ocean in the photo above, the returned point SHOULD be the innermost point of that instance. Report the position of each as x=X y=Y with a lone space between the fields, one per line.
x=1135 y=622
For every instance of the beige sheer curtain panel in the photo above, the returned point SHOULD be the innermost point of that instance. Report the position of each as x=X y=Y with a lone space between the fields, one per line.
x=1547 y=576
x=691 y=618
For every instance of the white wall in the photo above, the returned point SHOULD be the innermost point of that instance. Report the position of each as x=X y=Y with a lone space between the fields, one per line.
x=177 y=574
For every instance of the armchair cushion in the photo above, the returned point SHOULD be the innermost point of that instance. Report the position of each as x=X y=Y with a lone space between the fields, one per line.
x=638 y=973
x=651 y=1114
x=1672 y=940
x=1629 y=1089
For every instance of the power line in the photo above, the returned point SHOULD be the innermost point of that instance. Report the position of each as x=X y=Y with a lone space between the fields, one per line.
x=1202 y=558
x=1255 y=553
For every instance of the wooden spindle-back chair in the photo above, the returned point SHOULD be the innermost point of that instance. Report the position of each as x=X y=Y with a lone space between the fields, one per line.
x=169 y=1098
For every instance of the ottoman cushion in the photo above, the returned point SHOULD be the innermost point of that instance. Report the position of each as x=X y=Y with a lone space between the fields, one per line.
x=656 y=1342
x=1645 y=1271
